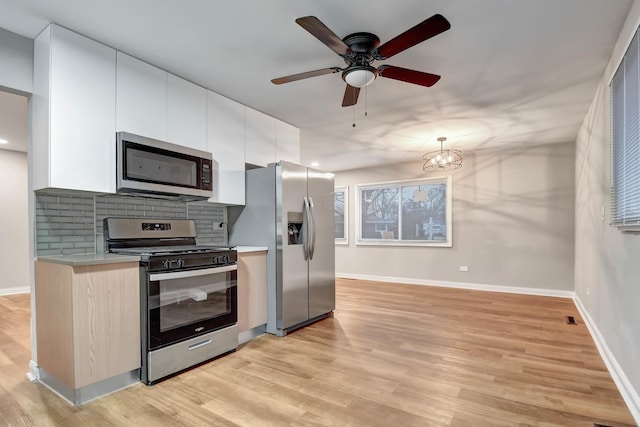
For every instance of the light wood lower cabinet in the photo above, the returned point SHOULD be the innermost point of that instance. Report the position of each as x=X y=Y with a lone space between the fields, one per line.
x=87 y=321
x=252 y=290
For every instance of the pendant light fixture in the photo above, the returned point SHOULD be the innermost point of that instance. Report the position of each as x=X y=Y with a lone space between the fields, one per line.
x=448 y=159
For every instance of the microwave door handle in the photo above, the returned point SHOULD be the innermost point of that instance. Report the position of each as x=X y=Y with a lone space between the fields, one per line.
x=305 y=233
x=312 y=248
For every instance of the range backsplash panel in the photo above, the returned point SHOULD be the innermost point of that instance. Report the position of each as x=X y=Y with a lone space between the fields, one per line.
x=70 y=223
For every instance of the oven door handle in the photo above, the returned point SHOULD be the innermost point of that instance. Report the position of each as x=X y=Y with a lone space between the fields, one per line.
x=192 y=273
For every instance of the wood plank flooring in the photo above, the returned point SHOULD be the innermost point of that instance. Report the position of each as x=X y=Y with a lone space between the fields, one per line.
x=392 y=355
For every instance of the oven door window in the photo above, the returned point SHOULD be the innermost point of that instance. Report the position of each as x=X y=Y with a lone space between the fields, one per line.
x=180 y=308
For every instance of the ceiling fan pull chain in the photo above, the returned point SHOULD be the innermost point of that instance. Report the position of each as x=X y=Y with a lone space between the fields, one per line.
x=366 y=91
x=354 y=115
x=354 y=111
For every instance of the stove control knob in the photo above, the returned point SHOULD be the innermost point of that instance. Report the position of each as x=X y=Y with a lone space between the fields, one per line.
x=166 y=264
x=180 y=263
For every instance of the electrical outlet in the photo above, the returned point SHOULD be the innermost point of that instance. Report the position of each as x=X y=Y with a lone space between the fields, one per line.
x=587 y=291
x=464 y=268
x=602 y=214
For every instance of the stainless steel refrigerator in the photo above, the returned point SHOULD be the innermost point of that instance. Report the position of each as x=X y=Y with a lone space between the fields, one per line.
x=290 y=209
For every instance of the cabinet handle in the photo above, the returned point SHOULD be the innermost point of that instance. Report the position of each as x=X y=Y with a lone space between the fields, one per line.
x=200 y=344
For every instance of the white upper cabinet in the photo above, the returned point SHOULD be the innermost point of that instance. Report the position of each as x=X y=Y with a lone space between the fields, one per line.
x=287 y=142
x=153 y=103
x=260 y=142
x=73 y=112
x=186 y=113
x=141 y=98
x=225 y=141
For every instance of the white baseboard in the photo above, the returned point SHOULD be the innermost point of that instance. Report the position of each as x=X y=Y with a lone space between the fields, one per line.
x=629 y=394
x=14 y=291
x=463 y=285
x=34 y=372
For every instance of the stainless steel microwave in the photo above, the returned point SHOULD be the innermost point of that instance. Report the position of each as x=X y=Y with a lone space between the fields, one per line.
x=146 y=165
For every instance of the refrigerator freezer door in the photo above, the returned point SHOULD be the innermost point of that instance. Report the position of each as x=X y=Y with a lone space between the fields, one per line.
x=322 y=290
x=292 y=268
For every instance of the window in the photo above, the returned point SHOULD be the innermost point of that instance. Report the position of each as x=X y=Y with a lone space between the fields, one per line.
x=341 y=215
x=625 y=141
x=407 y=213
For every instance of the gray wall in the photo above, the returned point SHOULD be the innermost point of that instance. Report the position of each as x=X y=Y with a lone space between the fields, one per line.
x=14 y=223
x=68 y=223
x=607 y=267
x=513 y=222
x=16 y=62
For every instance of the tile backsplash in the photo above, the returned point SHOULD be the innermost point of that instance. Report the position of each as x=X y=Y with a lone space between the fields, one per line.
x=69 y=223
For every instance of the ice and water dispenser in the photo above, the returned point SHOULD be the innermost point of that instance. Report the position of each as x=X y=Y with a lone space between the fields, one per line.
x=294 y=228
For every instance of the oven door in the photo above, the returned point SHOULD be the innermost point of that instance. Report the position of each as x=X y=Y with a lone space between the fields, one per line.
x=185 y=304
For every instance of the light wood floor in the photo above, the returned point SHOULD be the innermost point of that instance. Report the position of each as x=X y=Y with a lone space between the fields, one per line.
x=393 y=355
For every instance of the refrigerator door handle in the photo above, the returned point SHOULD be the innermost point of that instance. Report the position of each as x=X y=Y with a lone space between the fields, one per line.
x=305 y=234
x=312 y=248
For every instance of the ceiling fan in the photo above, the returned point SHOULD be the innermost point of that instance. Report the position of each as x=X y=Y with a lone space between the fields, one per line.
x=359 y=50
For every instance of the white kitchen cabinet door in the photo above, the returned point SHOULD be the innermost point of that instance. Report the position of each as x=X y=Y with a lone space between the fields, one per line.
x=141 y=98
x=73 y=112
x=260 y=138
x=186 y=113
x=225 y=141
x=287 y=142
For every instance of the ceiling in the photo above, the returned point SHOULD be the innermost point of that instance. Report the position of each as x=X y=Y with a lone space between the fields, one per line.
x=514 y=72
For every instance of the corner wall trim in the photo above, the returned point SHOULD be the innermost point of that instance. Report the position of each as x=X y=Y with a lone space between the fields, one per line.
x=629 y=394
x=463 y=285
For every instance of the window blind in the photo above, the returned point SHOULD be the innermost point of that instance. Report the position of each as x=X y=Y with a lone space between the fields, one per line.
x=625 y=140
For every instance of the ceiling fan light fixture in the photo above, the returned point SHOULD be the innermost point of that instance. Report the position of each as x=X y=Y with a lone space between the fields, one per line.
x=360 y=75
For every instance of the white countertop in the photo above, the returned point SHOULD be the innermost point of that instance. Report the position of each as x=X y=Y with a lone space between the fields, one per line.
x=76 y=260
x=245 y=249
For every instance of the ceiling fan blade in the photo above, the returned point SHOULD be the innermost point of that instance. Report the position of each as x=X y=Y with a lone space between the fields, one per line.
x=350 y=96
x=409 y=76
x=324 y=34
x=300 y=76
x=425 y=30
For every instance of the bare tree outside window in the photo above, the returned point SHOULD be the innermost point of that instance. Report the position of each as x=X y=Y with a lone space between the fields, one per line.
x=405 y=213
x=424 y=210
x=379 y=208
x=341 y=217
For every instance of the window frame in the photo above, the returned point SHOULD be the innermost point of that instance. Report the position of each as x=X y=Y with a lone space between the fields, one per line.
x=625 y=140
x=360 y=241
x=344 y=189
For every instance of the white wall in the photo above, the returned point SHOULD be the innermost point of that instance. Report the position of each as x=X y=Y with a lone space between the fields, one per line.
x=513 y=223
x=16 y=62
x=607 y=267
x=14 y=223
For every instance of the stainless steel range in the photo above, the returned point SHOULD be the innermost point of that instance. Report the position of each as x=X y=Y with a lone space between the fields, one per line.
x=188 y=293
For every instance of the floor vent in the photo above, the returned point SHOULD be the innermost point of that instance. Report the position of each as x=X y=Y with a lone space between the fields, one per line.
x=600 y=425
x=572 y=321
